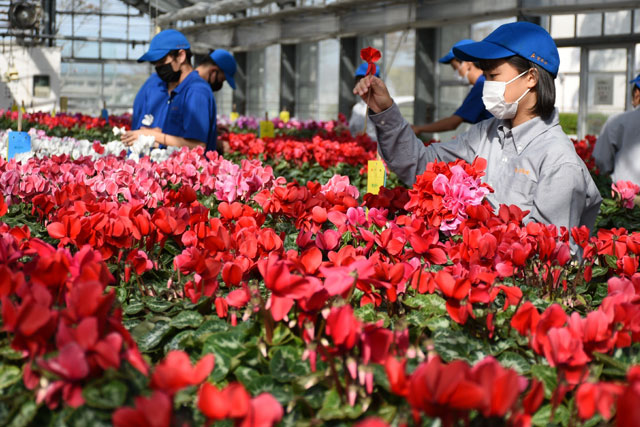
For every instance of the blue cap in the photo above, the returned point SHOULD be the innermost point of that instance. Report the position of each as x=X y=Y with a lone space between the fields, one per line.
x=227 y=64
x=527 y=40
x=636 y=81
x=362 y=70
x=450 y=56
x=163 y=43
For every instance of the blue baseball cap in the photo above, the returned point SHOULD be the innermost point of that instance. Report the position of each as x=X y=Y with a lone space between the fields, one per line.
x=527 y=40
x=450 y=56
x=361 y=71
x=636 y=81
x=227 y=64
x=163 y=43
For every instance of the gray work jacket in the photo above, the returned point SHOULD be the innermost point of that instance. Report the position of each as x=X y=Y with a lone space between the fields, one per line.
x=617 y=150
x=533 y=166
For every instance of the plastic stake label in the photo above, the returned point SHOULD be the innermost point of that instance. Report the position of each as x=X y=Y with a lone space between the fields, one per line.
x=267 y=130
x=376 y=176
x=234 y=116
x=19 y=142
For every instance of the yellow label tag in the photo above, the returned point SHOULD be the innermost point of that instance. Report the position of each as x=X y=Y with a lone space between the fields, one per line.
x=285 y=116
x=267 y=130
x=64 y=103
x=234 y=116
x=376 y=175
x=14 y=107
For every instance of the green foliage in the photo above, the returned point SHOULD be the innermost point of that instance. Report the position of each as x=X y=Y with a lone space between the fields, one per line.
x=103 y=134
x=569 y=123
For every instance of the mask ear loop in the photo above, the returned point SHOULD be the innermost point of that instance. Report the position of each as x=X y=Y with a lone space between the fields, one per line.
x=518 y=76
x=529 y=89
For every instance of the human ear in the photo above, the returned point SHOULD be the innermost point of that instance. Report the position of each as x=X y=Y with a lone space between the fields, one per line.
x=532 y=78
x=182 y=57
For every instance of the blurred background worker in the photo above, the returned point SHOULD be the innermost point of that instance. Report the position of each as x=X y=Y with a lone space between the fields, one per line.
x=617 y=151
x=190 y=119
x=359 y=111
x=472 y=109
x=219 y=66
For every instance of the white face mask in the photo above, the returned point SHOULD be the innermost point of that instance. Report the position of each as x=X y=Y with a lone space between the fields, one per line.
x=494 y=102
x=464 y=79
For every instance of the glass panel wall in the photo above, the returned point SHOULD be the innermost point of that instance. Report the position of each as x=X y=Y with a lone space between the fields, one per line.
x=400 y=49
x=102 y=68
x=607 y=86
x=272 y=80
x=307 y=80
x=255 y=83
x=328 y=79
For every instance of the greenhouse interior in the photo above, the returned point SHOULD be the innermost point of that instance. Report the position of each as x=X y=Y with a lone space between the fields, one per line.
x=320 y=212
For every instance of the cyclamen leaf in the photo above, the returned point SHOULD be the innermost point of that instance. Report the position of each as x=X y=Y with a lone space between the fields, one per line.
x=108 y=396
x=180 y=341
x=25 y=415
x=286 y=364
x=512 y=360
x=158 y=305
x=9 y=375
x=548 y=376
x=334 y=409
x=187 y=319
x=154 y=337
x=133 y=308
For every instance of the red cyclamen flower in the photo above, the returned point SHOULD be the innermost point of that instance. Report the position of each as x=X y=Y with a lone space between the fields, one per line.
x=370 y=55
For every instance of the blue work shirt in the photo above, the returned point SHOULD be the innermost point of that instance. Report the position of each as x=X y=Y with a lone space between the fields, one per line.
x=151 y=99
x=472 y=109
x=191 y=112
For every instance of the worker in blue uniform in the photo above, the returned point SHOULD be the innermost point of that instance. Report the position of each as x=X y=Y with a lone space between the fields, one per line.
x=472 y=109
x=190 y=119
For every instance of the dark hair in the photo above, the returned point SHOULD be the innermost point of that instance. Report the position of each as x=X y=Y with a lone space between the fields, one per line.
x=635 y=88
x=174 y=54
x=545 y=89
x=207 y=61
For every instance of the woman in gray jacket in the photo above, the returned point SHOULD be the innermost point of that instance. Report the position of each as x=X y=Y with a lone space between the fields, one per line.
x=531 y=162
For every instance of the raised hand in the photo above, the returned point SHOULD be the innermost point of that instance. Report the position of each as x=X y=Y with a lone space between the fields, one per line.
x=374 y=92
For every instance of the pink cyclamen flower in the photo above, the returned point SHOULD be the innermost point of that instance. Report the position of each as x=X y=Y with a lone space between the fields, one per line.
x=459 y=191
x=626 y=191
x=340 y=184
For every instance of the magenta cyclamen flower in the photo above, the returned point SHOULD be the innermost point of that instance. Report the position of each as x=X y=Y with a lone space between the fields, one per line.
x=626 y=191
x=458 y=192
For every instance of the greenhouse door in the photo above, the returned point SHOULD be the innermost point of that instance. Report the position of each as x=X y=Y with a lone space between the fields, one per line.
x=606 y=72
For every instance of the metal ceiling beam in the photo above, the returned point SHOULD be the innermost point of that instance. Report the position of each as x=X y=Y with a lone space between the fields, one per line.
x=163 y=6
x=345 y=18
x=294 y=26
x=215 y=7
x=575 y=6
x=337 y=7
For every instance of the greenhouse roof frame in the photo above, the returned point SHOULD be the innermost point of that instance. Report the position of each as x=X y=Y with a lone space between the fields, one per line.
x=251 y=24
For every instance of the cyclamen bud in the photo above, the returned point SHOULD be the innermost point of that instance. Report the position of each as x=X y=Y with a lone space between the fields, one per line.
x=352 y=393
x=352 y=366
x=362 y=374
x=263 y=349
x=369 y=381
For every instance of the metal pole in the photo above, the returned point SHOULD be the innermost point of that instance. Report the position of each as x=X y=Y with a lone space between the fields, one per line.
x=583 y=94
